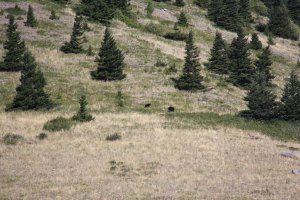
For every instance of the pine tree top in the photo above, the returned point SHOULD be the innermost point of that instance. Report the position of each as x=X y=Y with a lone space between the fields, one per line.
x=31 y=21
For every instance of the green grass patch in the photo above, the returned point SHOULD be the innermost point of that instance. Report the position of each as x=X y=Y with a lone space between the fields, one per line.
x=58 y=124
x=281 y=130
x=13 y=11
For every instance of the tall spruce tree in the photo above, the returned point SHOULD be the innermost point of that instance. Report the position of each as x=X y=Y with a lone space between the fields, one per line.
x=190 y=79
x=30 y=93
x=290 y=108
x=182 y=20
x=74 y=46
x=31 y=21
x=110 y=61
x=294 y=10
x=244 y=12
x=229 y=18
x=241 y=70
x=218 y=62
x=263 y=65
x=261 y=101
x=83 y=114
x=280 y=24
x=255 y=42
x=214 y=10
x=14 y=47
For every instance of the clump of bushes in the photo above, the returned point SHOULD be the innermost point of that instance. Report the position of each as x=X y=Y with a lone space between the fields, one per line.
x=12 y=139
x=178 y=36
x=58 y=124
x=113 y=137
x=42 y=136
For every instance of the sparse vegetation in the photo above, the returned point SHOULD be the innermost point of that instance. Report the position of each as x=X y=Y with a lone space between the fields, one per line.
x=12 y=139
x=113 y=137
x=149 y=130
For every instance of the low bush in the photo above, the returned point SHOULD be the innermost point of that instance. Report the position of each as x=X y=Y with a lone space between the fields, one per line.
x=177 y=36
x=12 y=139
x=42 y=136
x=58 y=124
x=113 y=137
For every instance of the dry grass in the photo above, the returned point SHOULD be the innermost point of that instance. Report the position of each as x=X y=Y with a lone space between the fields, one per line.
x=159 y=161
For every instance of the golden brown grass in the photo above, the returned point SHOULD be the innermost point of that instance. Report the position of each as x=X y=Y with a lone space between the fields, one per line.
x=158 y=161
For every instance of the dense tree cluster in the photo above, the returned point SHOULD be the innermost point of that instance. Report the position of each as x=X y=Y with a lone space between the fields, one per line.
x=230 y=14
x=262 y=102
x=280 y=23
x=102 y=10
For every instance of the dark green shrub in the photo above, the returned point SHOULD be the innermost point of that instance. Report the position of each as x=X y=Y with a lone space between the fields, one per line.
x=178 y=36
x=12 y=139
x=58 y=124
x=113 y=137
x=160 y=63
x=42 y=136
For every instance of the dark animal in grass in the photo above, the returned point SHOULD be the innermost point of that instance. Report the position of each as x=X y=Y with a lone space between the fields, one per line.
x=148 y=105
x=171 y=109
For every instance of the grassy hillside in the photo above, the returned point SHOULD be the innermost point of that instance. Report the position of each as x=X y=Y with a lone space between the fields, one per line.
x=202 y=151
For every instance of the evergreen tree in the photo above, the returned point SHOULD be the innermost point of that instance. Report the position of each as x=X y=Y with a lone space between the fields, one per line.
x=214 y=10
x=97 y=10
x=270 y=40
x=269 y=3
x=74 y=46
x=229 y=17
x=255 y=42
x=83 y=114
x=119 y=4
x=202 y=3
x=182 y=20
x=294 y=10
x=14 y=47
x=240 y=63
x=290 y=108
x=150 y=8
x=190 y=79
x=244 y=12
x=90 y=51
x=53 y=15
x=30 y=94
x=261 y=101
x=263 y=65
x=280 y=24
x=110 y=61
x=120 y=99
x=31 y=21
x=179 y=3
x=218 y=62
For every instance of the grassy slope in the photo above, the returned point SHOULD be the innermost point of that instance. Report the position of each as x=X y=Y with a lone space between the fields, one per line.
x=151 y=137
